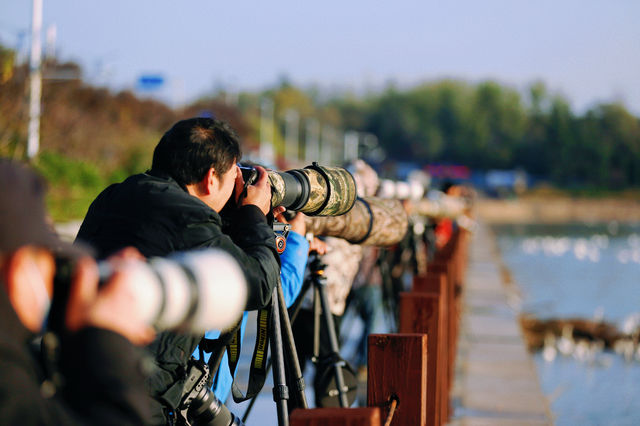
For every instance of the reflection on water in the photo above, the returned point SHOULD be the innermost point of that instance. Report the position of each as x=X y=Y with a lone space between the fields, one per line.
x=575 y=270
x=587 y=271
x=586 y=394
x=583 y=249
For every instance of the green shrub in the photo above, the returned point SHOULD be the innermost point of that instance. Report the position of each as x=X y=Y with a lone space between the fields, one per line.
x=72 y=185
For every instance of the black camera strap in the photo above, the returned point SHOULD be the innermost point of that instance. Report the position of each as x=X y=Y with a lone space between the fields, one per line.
x=217 y=347
x=258 y=370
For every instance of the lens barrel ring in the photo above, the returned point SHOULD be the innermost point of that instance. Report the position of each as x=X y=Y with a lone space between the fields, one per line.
x=163 y=287
x=193 y=292
x=321 y=172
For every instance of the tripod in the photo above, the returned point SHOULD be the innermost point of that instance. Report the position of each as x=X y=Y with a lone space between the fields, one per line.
x=321 y=311
x=281 y=344
x=322 y=315
x=283 y=350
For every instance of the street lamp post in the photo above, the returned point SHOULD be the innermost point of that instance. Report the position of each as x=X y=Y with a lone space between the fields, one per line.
x=35 y=92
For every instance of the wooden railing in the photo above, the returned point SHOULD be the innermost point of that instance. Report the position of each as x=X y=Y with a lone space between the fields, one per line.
x=410 y=374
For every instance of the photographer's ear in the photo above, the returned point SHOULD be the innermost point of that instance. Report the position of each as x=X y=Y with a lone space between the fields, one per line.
x=240 y=186
x=211 y=182
x=204 y=187
x=28 y=277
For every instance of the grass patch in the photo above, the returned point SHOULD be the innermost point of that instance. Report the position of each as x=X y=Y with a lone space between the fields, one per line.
x=72 y=184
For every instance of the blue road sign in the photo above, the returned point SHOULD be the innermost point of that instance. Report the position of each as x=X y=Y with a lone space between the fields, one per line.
x=150 y=82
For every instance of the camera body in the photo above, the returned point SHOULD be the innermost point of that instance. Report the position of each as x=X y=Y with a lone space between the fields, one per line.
x=199 y=406
x=315 y=190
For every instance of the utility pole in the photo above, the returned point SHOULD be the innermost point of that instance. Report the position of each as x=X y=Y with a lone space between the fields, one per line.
x=35 y=93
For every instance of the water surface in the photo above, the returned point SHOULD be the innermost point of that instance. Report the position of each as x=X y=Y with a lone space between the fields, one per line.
x=566 y=271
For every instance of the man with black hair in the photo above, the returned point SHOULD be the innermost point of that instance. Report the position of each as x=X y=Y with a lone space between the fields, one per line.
x=175 y=206
x=97 y=377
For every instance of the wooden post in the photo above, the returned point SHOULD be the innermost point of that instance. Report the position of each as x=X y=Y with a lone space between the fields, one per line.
x=433 y=272
x=436 y=284
x=450 y=255
x=419 y=313
x=397 y=366
x=436 y=270
x=365 y=416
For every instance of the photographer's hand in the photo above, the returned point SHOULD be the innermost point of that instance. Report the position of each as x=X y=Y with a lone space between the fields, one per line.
x=297 y=223
x=112 y=307
x=259 y=194
x=318 y=246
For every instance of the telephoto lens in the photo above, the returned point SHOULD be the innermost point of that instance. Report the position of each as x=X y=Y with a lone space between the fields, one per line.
x=372 y=221
x=315 y=190
x=400 y=190
x=440 y=205
x=190 y=292
x=207 y=410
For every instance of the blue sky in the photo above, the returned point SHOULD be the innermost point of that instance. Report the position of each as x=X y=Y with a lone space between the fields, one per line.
x=585 y=49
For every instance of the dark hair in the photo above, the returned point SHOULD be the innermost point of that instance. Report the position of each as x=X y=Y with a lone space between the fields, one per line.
x=191 y=147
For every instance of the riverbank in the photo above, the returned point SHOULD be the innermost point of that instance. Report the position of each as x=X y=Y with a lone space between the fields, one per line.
x=557 y=210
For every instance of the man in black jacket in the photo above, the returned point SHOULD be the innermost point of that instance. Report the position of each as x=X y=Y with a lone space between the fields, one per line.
x=175 y=206
x=103 y=381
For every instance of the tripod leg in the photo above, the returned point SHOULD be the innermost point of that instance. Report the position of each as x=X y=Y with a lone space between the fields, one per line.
x=333 y=339
x=297 y=304
x=317 y=314
x=293 y=313
x=280 y=390
x=290 y=347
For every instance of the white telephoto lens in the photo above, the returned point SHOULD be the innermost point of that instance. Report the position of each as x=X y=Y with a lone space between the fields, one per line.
x=146 y=289
x=387 y=189
x=177 y=292
x=222 y=287
x=417 y=190
x=403 y=190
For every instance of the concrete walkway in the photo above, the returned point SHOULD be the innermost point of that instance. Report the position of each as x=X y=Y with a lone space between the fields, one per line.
x=496 y=381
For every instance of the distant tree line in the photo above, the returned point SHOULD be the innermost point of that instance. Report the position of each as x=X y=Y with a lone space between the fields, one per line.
x=488 y=125
x=484 y=126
